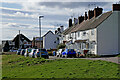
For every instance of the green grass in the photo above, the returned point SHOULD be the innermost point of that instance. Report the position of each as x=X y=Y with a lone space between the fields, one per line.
x=15 y=66
x=118 y=55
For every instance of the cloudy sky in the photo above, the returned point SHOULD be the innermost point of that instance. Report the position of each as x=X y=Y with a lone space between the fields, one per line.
x=23 y=15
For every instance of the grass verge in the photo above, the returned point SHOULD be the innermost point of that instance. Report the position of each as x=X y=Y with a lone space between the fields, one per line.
x=16 y=66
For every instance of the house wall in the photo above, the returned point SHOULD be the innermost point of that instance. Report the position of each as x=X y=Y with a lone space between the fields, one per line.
x=49 y=41
x=119 y=32
x=90 y=36
x=107 y=35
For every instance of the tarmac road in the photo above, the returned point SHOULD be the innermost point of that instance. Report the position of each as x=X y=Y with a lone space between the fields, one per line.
x=110 y=59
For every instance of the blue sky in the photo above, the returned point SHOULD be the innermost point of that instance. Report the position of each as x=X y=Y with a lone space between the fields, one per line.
x=24 y=16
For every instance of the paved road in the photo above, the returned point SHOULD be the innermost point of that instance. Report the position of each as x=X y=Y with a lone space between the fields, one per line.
x=110 y=59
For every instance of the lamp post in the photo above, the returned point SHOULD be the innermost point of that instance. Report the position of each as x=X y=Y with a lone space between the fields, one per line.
x=40 y=31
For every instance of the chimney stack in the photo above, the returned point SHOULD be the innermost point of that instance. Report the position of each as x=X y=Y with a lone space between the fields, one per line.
x=55 y=31
x=75 y=21
x=58 y=29
x=61 y=28
x=90 y=14
x=116 y=7
x=70 y=22
x=86 y=17
x=80 y=19
x=97 y=11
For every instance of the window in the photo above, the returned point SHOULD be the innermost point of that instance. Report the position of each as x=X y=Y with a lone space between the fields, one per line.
x=84 y=33
x=78 y=34
x=92 y=32
x=92 y=46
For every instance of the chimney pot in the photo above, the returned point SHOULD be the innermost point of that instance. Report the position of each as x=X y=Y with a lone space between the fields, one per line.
x=85 y=18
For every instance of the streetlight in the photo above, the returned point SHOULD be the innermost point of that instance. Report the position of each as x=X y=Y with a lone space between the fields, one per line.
x=40 y=31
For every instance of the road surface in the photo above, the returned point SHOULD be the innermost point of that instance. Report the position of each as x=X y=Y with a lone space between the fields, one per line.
x=110 y=59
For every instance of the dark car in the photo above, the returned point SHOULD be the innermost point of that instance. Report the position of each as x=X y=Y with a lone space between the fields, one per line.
x=22 y=52
x=18 y=51
x=69 y=53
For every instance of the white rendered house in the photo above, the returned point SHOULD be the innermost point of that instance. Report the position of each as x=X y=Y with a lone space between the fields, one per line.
x=50 y=40
x=97 y=32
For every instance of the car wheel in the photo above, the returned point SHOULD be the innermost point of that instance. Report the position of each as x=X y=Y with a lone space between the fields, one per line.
x=60 y=55
x=66 y=56
x=47 y=57
x=35 y=56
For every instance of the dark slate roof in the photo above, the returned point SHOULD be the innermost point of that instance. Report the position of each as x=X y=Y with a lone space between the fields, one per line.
x=88 y=24
x=48 y=32
x=22 y=37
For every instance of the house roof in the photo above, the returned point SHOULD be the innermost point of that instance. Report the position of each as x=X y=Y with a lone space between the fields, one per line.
x=38 y=38
x=48 y=32
x=22 y=37
x=88 y=24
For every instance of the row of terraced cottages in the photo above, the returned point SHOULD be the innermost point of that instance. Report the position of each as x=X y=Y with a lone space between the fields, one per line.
x=96 y=32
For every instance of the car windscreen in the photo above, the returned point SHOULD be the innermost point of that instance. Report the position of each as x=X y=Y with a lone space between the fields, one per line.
x=29 y=50
x=42 y=49
x=70 y=49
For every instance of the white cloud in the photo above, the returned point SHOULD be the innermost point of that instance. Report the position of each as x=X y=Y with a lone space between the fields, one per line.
x=31 y=29
x=20 y=14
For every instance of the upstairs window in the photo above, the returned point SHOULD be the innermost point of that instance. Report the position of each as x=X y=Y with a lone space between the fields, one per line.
x=84 y=33
x=92 y=32
x=78 y=34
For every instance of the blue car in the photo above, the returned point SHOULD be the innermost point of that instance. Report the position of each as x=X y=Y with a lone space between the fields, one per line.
x=43 y=52
x=69 y=53
x=22 y=52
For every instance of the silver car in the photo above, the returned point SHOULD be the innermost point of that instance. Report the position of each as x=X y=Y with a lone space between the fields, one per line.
x=59 y=52
x=32 y=53
x=22 y=52
x=27 y=51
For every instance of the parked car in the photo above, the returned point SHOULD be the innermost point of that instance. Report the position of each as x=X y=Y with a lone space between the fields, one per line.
x=32 y=53
x=54 y=53
x=59 y=52
x=50 y=51
x=69 y=53
x=18 y=51
x=43 y=52
x=27 y=51
x=12 y=50
x=22 y=52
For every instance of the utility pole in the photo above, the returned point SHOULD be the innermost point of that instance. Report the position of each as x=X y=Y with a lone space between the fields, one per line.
x=40 y=32
x=19 y=39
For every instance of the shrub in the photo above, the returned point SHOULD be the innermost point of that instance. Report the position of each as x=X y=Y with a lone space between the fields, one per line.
x=61 y=46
